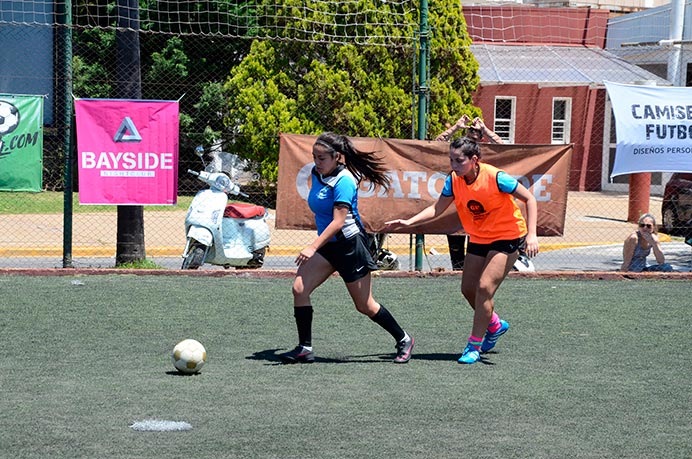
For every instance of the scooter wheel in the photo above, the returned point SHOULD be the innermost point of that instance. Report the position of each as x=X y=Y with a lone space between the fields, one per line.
x=195 y=258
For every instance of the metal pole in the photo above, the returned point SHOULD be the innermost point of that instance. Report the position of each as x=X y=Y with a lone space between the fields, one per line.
x=639 y=186
x=677 y=12
x=130 y=245
x=64 y=18
x=422 y=104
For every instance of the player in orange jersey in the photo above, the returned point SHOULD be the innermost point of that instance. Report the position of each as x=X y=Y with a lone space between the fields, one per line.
x=484 y=198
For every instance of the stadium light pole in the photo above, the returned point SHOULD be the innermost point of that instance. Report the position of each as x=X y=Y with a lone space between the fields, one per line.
x=423 y=92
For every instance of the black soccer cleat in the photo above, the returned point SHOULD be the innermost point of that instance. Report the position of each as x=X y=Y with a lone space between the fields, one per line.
x=300 y=354
x=403 y=349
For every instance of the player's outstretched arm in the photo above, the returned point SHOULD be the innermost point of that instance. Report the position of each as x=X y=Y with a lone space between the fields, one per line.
x=425 y=215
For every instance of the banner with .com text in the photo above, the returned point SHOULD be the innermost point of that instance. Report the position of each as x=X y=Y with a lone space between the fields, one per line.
x=653 y=126
x=21 y=143
x=127 y=151
x=418 y=169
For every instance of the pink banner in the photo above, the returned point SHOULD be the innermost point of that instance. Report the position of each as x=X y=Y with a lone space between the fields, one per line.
x=127 y=151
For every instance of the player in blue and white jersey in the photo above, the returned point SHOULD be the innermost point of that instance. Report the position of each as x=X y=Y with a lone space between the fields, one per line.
x=341 y=244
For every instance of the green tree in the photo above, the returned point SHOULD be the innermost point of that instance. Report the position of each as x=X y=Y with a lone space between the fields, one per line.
x=308 y=79
x=453 y=68
x=92 y=74
x=180 y=60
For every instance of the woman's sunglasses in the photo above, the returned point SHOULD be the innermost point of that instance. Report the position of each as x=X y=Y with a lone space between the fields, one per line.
x=648 y=225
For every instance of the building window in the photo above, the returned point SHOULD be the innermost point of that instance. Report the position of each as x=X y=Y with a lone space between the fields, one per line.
x=562 y=120
x=505 y=118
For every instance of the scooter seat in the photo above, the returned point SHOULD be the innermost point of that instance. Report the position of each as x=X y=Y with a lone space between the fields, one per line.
x=242 y=210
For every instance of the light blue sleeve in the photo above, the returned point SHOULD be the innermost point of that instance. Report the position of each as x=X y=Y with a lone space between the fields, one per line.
x=447 y=189
x=345 y=191
x=506 y=183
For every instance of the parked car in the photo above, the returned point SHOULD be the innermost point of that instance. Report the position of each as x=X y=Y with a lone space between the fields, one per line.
x=676 y=208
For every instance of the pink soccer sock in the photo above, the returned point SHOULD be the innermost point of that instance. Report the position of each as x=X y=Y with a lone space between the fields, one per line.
x=494 y=323
x=475 y=341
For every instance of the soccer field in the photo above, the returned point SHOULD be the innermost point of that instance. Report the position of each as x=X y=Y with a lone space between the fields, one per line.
x=588 y=369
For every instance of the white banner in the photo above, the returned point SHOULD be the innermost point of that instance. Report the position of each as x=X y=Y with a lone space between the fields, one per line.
x=653 y=128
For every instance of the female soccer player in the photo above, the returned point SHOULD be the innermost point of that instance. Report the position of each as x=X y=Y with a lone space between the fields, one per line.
x=341 y=244
x=484 y=198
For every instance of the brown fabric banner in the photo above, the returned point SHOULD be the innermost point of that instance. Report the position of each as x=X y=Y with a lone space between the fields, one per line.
x=418 y=169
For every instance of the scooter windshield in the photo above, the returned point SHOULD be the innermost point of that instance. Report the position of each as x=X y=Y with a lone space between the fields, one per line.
x=222 y=162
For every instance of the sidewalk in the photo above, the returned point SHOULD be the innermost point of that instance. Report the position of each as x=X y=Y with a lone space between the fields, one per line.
x=595 y=221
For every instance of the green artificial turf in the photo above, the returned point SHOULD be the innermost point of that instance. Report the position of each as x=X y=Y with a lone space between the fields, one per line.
x=588 y=369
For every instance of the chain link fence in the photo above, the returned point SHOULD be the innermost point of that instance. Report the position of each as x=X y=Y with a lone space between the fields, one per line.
x=245 y=72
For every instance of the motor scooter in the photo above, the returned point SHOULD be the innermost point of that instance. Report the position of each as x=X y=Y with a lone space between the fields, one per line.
x=218 y=233
x=385 y=259
x=524 y=263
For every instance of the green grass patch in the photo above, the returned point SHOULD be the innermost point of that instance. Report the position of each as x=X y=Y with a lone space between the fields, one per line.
x=588 y=369
x=141 y=264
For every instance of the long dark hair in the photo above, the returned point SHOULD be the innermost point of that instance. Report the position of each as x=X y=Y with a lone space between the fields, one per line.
x=361 y=164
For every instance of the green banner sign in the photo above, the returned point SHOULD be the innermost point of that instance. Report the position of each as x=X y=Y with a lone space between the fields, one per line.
x=21 y=143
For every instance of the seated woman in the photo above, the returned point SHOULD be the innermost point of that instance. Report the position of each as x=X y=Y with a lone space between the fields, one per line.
x=638 y=246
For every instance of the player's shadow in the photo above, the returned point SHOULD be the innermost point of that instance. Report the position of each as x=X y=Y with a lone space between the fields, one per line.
x=435 y=356
x=271 y=357
x=447 y=357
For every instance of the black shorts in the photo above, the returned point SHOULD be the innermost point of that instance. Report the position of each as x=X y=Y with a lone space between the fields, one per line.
x=482 y=250
x=349 y=257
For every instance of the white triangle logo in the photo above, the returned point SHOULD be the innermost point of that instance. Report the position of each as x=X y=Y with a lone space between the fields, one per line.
x=127 y=132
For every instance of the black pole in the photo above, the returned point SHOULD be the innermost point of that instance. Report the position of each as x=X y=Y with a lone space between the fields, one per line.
x=63 y=10
x=422 y=104
x=130 y=239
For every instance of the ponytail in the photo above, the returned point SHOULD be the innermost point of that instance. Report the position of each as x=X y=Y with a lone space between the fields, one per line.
x=363 y=165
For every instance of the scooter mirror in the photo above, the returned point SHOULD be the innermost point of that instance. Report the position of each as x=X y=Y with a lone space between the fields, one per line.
x=199 y=150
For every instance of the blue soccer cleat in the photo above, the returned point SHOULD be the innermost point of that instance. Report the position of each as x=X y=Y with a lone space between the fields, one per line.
x=470 y=355
x=491 y=338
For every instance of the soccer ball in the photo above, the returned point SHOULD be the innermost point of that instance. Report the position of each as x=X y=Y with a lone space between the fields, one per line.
x=189 y=356
x=9 y=117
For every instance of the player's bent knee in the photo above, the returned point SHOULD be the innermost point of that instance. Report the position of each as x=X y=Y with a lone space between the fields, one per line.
x=298 y=289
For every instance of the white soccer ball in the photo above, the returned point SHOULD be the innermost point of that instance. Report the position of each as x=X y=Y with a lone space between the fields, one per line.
x=189 y=356
x=9 y=117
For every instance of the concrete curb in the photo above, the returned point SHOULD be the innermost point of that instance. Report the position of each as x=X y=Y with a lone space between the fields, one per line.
x=271 y=251
x=287 y=274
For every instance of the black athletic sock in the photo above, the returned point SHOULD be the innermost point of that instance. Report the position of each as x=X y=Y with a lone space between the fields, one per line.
x=386 y=320
x=303 y=315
